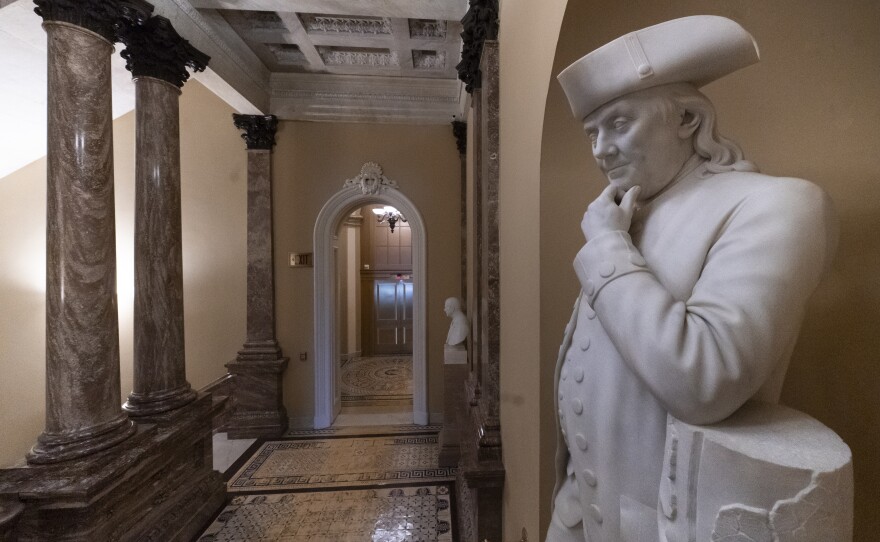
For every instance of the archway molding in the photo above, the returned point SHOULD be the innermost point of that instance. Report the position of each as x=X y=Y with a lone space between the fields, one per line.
x=370 y=187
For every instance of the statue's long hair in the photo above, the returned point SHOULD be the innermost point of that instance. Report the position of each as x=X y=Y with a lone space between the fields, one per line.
x=723 y=154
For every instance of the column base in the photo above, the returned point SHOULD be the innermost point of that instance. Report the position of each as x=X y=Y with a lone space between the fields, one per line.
x=259 y=351
x=152 y=403
x=57 y=447
x=159 y=485
x=258 y=397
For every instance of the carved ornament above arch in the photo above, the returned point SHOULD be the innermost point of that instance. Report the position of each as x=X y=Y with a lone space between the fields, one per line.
x=371 y=180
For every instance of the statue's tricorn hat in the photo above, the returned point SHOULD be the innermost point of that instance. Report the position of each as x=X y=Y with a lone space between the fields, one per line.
x=696 y=50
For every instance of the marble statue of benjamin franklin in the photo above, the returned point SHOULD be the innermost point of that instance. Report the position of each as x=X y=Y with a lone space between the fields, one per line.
x=695 y=274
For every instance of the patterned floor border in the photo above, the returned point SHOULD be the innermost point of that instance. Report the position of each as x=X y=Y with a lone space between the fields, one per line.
x=445 y=526
x=240 y=475
x=372 y=430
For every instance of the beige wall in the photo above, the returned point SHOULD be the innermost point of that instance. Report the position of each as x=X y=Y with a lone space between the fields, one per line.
x=810 y=109
x=213 y=171
x=527 y=41
x=311 y=162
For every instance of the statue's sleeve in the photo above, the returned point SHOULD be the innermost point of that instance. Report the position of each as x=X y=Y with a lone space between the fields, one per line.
x=703 y=357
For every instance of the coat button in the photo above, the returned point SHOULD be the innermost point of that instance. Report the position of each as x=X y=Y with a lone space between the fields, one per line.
x=578 y=406
x=590 y=312
x=637 y=259
x=589 y=477
x=579 y=375
x=589 y=287
x=564 y=374
x=606 y=269
x=585 y=344
x=581 y=442
x=560 y=396
x=596 y=513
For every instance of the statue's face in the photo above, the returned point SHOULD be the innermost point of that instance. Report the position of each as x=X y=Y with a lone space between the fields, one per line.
x=449 y=308
x=636 y=144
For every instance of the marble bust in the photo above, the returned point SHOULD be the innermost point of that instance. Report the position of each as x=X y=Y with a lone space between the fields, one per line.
x=458 y=327
x=695 y=274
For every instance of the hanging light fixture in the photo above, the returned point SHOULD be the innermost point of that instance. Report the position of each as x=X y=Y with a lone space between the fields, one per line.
x=388 y=214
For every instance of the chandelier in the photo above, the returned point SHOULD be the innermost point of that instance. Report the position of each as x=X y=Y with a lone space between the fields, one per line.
x=388 y=214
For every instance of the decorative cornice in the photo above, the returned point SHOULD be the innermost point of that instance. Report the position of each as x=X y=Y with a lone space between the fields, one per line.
x=287 y=54
x=259 y=130
x=459 y=130
x=371 y=180
x=263 y=20
x=346 y=25
x=429 y=60
x=363 y=96
x=480 y=24
x=427 y=29
x=356 y=57
x=155 y=49
x=100 y=16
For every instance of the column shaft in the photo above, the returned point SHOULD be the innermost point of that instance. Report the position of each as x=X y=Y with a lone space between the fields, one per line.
x=159 y=360
x=82 y=336
x=260 y=343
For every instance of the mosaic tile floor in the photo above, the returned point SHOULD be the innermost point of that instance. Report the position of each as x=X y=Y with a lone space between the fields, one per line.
x=377 y=380
x=319 y=488
x=421 y=513
x=302 y=463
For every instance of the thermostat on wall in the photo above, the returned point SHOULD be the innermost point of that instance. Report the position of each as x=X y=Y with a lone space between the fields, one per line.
x=300 y=259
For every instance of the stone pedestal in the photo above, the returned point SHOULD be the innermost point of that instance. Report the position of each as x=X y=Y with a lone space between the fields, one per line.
x=83 y=413
x=455 y=371
x=156 y=486
x=766 y=473
x=259 y=366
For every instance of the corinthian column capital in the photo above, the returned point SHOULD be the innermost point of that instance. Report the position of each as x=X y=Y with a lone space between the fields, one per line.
x=155 y=49
x=259 y=130
x=100 y=16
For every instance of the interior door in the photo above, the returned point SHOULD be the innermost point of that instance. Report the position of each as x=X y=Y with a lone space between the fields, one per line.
x=392 y=300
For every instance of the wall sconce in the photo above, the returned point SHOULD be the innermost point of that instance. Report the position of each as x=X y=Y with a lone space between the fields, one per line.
x=388 y=214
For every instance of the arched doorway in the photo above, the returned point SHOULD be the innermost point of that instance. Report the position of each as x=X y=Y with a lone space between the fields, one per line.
x=370 y=187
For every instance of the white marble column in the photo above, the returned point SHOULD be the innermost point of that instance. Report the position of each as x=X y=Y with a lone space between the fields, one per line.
x=157 y=58
x=259 y=366
x=83 y=413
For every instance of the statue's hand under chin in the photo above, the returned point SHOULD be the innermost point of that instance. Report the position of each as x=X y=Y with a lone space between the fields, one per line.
x=606 y=215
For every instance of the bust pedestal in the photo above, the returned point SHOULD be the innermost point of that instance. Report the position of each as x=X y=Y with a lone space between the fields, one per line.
x=455 y=371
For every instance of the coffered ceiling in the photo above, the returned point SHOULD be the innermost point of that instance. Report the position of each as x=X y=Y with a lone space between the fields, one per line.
x=314 y=60
x=349 y=60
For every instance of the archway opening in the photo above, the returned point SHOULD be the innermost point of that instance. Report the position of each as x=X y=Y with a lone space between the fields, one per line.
x=334 y=214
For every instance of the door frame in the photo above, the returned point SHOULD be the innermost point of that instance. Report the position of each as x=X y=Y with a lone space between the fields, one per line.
x=334 y=212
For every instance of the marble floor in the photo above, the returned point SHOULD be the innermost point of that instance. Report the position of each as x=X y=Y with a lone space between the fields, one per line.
x=379 y=484
x=377 y=381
